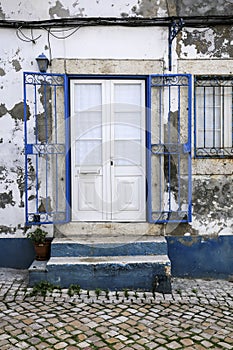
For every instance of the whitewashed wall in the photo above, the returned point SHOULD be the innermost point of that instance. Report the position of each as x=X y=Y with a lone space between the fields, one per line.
x=194 y=51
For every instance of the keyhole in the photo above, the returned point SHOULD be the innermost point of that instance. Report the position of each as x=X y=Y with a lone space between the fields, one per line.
x=111 y=162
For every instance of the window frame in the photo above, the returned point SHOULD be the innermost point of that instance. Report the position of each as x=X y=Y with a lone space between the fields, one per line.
x=225 y=126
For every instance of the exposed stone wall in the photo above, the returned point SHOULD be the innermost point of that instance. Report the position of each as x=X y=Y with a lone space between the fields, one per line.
x=206 y=42
x=212 y=179
x=203 y=8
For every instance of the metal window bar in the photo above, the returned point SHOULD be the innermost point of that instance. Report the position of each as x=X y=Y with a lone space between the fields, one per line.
x=232 y=117
x=46 y=149
x=170 y=149
x=204 y=104
x=219 y=147
x=160 y=159
x=223 y=116
x=178 y=140
x=214 y=118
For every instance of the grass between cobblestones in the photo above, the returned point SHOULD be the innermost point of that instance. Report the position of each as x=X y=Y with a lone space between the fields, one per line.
x=195 y=316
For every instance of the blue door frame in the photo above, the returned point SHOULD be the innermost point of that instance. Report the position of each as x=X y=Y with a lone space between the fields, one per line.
x=167 y=152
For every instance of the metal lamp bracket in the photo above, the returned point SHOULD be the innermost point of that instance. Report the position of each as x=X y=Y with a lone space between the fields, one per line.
x=174 y=28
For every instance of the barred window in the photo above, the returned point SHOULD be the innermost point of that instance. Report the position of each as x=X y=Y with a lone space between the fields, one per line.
x=213 y=116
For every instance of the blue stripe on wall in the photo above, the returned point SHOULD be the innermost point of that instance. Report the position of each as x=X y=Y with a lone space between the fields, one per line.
x=195 y=256
x=16 y=253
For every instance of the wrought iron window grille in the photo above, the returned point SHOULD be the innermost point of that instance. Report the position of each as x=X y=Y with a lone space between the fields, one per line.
x=213 y=116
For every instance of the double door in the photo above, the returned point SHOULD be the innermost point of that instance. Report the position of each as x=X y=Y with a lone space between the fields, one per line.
x=108 y=150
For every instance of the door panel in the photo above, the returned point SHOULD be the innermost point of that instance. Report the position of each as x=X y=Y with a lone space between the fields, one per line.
x=126 y=201
x=128 y=133
x=89 y=196
x=108 y=153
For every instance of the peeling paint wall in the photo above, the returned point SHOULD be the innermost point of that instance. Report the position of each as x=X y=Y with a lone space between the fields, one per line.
x=25 y=10
x=212 y=179
x=206 y=42
x=110 y=50
x=202 y=8
x=82 y=8
x=212 y=204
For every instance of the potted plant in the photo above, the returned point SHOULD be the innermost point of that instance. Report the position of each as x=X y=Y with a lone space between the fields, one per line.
x=41 y=243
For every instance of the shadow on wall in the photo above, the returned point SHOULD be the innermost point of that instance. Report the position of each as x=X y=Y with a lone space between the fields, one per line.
x=201 y=257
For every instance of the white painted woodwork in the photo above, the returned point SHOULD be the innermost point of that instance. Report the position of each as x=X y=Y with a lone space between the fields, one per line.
x=108 y=150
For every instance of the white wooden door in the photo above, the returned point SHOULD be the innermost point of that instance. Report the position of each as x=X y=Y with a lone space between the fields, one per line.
x=108 y=150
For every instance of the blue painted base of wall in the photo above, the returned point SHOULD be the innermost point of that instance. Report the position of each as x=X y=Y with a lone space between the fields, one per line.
x=16 y=253
x=201 y=257
x=190 y=257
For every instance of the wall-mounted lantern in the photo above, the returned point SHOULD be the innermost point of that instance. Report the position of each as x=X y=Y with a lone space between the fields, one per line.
x=42 y=62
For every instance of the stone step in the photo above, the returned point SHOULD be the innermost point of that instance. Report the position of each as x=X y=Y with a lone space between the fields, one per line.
x=113 y=262
x=109 y=272
x=92 y=245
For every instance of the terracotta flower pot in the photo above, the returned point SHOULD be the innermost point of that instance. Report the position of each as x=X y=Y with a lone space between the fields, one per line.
x=42 y=250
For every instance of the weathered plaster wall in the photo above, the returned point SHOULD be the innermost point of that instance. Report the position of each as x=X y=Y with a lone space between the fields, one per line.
x=15 y=57
x=199 y=51
x=203 y=8
x=24 y=9
x=17 y=54
x=32 y=10
x=212 y=179
x=206 y=42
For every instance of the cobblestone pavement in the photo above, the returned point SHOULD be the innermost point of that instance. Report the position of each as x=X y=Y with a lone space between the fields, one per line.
x=197 y=315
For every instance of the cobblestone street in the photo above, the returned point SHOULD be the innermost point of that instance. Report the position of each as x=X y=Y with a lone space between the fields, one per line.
x=197 y=315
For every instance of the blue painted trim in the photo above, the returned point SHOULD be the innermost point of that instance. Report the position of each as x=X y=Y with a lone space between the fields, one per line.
x=187 y=146
x=26 y=149
x=190 y=148
x=148 y=130
x=44 y=74
x=204 y=96
x=195 y=121
x=67 y=145
x=171 y=75
x=148 y=80
x=232 y=119
x=148 y=148
x=34 y=82
x=213 y=151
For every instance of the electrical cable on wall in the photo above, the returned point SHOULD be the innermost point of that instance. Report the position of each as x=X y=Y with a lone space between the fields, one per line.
x=175 y=24
x=50 y=32
x=26 y=38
